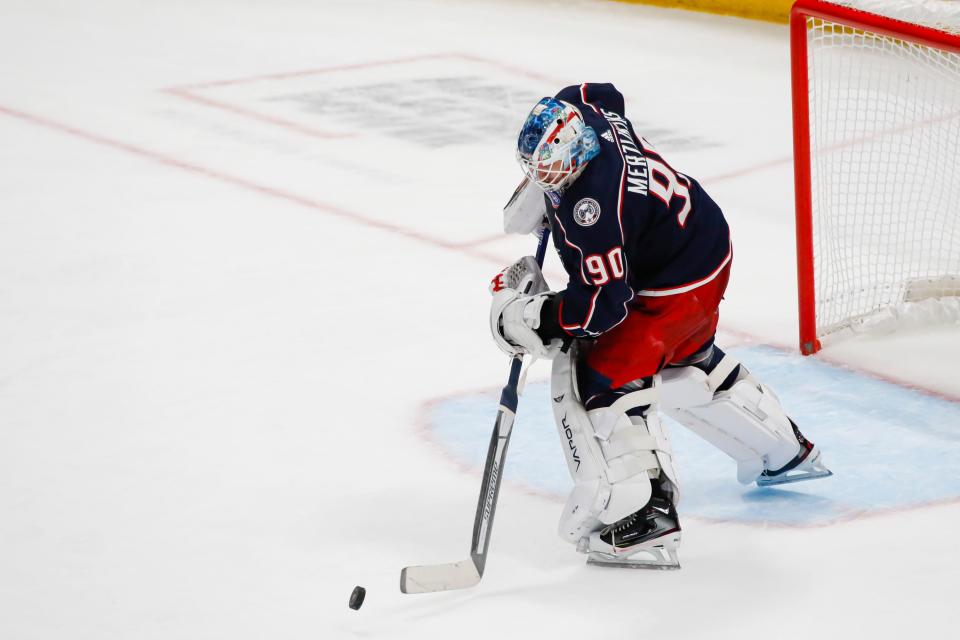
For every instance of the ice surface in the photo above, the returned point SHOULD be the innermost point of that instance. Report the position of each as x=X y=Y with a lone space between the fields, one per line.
x=232 y=271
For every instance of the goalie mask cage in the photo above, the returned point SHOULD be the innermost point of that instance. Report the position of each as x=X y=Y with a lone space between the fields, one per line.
x=876 y=111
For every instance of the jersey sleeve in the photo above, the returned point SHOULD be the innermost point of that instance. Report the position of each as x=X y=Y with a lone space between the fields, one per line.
x=597 y=292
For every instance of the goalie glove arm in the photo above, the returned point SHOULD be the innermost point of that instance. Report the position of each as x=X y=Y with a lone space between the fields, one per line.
x=550 y=328
x=585 y=312
x=523 y=314
x=514 y=324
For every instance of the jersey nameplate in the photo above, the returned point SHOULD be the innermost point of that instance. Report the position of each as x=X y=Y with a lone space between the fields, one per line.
x=638 y=179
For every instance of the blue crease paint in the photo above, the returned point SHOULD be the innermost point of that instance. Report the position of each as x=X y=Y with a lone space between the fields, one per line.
x=889 y=446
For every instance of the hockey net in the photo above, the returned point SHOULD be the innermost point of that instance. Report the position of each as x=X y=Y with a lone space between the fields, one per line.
x=877 y=156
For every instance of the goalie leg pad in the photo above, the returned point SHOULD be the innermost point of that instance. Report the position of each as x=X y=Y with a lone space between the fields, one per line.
x=745 y=421
x=611 y=456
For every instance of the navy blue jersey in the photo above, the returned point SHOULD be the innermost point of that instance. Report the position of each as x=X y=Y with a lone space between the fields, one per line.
x=630 y=225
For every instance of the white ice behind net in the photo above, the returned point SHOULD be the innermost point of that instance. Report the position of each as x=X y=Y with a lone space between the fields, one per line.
x=885 y=142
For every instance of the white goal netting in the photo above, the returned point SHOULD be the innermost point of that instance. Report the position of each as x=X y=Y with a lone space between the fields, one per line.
x=885 y=169
x=937 y=14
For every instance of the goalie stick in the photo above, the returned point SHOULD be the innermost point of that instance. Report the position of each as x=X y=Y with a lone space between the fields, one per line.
x=467 y=573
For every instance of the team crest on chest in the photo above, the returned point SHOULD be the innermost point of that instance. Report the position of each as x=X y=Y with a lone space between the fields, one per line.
x=586 y=212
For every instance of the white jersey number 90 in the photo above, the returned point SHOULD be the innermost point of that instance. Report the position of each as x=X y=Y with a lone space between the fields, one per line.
x=605 y=267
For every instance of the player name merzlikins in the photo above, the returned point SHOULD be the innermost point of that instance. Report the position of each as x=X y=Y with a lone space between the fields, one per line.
x=637 y=173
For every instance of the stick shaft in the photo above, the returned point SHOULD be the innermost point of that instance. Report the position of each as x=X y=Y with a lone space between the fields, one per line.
x=497 y=451
x=467 y=573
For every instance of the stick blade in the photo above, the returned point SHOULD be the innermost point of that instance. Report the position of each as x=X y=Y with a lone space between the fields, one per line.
x=431 y=578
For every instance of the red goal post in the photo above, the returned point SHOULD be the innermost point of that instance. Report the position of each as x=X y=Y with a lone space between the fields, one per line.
x=861 y=28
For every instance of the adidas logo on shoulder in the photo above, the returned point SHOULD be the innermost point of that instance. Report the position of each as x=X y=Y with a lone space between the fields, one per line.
x=607 y=135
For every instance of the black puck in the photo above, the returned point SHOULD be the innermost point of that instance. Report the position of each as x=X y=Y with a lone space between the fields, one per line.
x=356 y=598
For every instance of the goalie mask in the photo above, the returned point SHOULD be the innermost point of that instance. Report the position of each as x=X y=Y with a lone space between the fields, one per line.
x=555 y=144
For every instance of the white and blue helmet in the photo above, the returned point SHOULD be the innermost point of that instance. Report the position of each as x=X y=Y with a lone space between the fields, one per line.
x=555 y=144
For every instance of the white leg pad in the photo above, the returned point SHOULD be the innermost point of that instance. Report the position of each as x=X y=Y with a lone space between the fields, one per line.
x=746 y=421
x=611 y=456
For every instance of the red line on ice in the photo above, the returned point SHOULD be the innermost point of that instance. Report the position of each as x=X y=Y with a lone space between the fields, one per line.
x=249 y=185
x=366 y=220
x=255 y=115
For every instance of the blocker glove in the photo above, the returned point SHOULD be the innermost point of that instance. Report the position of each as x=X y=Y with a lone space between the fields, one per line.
x=519 y=293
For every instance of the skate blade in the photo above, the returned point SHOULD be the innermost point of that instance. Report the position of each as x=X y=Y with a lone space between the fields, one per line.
x=764 y=481
x=662 y=564
x=662 y=557
x=815 y=469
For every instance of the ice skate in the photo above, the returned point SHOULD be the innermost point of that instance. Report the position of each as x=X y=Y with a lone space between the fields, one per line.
x=647 y=539
x=806 y=466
